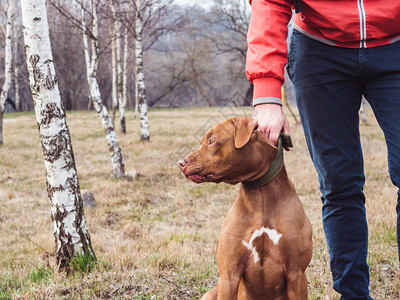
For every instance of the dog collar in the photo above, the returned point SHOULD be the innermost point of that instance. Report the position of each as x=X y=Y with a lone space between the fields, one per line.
x=276 y=165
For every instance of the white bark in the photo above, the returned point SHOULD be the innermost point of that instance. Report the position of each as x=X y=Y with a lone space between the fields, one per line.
x=362 y=111
x=124 y=101
x=91 y=67
x=8 y=69
x=16 y=86
x=16 y=65
x=120 y=71
x=136 y=103
x=114 y=67
x=140 y=84
x=70 y=230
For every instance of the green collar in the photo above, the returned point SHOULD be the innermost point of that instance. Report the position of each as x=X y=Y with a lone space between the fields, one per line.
x=275 y=168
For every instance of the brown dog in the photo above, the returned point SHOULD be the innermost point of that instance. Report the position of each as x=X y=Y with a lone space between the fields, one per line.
x=265 y=243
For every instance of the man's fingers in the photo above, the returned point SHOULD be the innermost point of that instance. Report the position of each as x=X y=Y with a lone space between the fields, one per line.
x=263 y=129
x=273 y=137
x=286 y=130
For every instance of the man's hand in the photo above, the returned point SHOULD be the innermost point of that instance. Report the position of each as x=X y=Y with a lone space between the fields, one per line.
x=271 y=121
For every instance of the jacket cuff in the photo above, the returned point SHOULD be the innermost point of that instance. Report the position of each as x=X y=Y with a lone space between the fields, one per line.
x=267 y=87
x=264 y=100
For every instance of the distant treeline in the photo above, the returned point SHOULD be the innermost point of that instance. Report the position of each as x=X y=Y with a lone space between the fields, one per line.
x=193 y=56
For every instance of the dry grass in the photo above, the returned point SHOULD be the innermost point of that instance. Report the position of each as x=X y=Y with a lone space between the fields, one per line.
x=156 y=237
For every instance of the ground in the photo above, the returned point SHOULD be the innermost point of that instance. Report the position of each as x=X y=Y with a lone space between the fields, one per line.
x=156 y=237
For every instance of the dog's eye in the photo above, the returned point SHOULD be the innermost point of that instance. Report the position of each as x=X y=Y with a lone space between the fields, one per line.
x=211 y=142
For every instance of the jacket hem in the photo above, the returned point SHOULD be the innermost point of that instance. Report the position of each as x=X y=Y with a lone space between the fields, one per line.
x=314 y=37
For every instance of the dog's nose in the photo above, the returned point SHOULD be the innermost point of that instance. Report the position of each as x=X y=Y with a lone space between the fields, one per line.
x=182 y=163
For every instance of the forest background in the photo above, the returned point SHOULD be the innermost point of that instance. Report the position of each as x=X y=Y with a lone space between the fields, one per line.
x=194 y=54
x=154 y=233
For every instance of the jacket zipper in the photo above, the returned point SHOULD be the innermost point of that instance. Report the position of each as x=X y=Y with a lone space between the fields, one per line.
x=363 y=25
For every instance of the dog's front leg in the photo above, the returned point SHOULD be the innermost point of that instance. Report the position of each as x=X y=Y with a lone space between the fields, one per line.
x=228 y=287
x=231 y=259
x=296 y=285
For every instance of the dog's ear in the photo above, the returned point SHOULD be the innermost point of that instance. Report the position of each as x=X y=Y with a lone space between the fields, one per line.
x=244 y=128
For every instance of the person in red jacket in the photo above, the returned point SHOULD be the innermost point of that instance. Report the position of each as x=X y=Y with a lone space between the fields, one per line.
x=339 y=51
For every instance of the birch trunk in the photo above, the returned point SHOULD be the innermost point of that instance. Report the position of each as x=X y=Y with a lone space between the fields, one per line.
x=8 y=70
x=118 y=70
x=16 y=84
x=140 y=84
x=91 y=68
x=136 y=103
x=16 y=62
x=114 y=63
x=70 y=230
x=124 y=98
x=362 y=111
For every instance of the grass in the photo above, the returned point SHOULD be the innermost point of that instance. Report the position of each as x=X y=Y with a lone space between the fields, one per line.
x=156 y=237
x=83 y=262
x=4 y=295
x=39 y=275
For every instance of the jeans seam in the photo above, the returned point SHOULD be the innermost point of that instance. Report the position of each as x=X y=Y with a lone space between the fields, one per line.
x=291 y=57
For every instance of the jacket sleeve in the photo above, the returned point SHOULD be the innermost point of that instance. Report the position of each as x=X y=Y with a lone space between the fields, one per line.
x=267 y=48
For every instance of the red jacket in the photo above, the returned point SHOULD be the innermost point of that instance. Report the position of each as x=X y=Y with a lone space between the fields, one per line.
x=344 y=23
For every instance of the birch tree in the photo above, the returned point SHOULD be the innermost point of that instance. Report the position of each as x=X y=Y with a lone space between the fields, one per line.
x=16 y=61
x=148 y=26
x=124 y=82
x=114 y=66
x=8 y=70
x=70 y=230
x=120 y=70
x=119 y=59
x=91 y=60
x=362 y=110
x=16 y=69
x=140 y=83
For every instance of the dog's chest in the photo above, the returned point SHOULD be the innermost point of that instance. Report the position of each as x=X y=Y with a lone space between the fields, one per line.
x=258 y=239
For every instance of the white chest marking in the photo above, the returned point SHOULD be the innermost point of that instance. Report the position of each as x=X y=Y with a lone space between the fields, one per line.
x=272 y=234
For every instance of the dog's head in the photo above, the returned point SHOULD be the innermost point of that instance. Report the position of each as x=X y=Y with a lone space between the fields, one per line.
x=232 y=151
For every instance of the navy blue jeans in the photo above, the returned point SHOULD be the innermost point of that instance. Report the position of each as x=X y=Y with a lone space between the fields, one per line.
x=329 y=83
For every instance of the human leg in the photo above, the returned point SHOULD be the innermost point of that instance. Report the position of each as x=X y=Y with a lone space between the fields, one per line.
x=328 y=94
x=381 y=86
